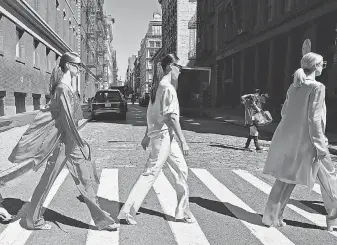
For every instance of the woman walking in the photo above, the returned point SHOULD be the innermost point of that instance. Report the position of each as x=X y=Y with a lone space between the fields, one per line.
x=162 y=126
x=299 y=149
x=54 y=130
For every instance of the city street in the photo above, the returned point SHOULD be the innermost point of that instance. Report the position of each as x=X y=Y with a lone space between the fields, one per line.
x=228 y=193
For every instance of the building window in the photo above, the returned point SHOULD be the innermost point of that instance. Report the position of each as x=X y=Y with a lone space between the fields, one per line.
x=158 y=44
x=151 y=43
x=1 y=34
x=20 y=47
x=269 y=10
x=37 y=5
x=36 y=54
x=156 y=30
x=48 y=59
x=287 y=5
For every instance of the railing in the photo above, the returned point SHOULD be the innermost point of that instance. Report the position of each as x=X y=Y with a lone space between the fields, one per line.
x=192 y=24
x=192 y=54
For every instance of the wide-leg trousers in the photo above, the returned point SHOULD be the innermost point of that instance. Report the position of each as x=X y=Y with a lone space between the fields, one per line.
x=69 y=154
x=164 y=149
x=281 y=192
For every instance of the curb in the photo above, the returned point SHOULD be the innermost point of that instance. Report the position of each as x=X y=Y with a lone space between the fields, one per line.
x=24 y=167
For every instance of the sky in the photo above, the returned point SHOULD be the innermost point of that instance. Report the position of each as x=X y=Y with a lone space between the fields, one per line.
x=131 y=23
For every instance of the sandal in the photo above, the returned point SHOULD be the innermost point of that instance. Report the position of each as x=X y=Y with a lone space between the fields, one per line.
x=112 y=227
x=130 y=220
x=43 y=227
x=4 y=215
x=186 y=220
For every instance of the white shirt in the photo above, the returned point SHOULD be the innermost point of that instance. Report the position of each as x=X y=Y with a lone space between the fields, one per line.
x=166 y=102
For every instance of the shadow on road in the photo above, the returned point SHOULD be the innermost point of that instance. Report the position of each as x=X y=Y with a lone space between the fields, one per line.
x=239 y=213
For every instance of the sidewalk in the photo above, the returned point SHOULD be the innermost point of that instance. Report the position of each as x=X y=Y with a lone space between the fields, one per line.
x=236 y=116
x=11 y=130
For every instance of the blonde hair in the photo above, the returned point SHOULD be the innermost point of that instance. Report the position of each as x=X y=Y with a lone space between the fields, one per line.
x=308 y=66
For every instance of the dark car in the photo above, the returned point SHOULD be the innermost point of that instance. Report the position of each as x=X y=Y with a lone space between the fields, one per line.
x=109 y=101
x=144 y=100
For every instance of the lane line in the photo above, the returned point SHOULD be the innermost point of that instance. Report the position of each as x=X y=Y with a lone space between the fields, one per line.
x=315 y=218
x=108 y=189
x=184 y=234
x=266 y=235
x=14 y=234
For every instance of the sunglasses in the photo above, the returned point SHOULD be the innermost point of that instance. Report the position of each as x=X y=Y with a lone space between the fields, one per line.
x=178 y=66
x=324 y=64
x=76 y=65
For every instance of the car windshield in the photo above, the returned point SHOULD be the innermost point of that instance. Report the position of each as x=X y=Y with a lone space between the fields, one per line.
x=108 y=96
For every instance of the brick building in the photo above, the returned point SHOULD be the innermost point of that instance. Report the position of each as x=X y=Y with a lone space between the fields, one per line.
x=178 y=37
x=33 y=35
x=129 y=77
x=149 y=46
x=258 y=44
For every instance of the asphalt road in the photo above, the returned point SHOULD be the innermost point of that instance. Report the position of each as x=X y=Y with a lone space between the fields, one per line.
x=228 y=193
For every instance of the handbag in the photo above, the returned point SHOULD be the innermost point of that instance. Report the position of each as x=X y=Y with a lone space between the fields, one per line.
x=262 y=118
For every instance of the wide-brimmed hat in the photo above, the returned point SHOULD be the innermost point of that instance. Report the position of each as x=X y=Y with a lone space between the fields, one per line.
x=70 y=57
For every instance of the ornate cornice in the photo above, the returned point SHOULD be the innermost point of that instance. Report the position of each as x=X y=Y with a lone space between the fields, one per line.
x=32 y=21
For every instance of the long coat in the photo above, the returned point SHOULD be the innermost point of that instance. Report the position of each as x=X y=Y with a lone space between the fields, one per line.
x=299 y=137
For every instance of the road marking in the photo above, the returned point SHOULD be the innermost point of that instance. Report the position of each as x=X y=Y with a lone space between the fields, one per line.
x=108 y=189
x=264 y=234
x=14 y=234
x=315 y=218
x=184 y=234
x=317 y=189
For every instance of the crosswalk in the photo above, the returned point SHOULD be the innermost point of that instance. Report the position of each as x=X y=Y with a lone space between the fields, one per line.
x=227 y=207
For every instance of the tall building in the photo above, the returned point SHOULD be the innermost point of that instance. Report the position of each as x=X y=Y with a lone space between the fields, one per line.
x=114 y=67
x=258 y=44
x=129 y=77
x=33 y=36
x=136 y=75
x=178 y=36
x=150 y=44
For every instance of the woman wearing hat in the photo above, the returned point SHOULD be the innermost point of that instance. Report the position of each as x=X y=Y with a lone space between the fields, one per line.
x=53 y=137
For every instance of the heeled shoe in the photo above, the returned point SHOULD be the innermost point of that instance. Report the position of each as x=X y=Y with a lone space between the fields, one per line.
x=112 y=227
x=130 y=219
x=4 y=215
x=331 y=223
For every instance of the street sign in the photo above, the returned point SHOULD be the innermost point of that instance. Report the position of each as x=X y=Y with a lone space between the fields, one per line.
x=306 y=47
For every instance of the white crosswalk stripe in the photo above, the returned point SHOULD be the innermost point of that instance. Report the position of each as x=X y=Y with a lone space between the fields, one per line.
x=315 y=218
x=182 y=233
x=265 y=235
x=108 y=189
x=14 y=234
x=185 y=234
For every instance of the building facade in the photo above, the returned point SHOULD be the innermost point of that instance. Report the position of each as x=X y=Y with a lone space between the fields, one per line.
x=33 y=36
x=136 y=75
x=258 y=44
x=178 y=36
x=150 y=44
x=129 y=77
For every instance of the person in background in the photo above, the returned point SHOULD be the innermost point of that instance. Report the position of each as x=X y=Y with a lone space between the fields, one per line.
x=253 y=104
x=162 y=127
x=299 y=152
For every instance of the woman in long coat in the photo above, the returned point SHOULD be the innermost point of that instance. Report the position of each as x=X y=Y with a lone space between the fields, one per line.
x=53 y=137
x=299 y=153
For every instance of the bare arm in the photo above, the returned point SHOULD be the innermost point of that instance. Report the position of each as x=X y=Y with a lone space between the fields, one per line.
x=172 y=121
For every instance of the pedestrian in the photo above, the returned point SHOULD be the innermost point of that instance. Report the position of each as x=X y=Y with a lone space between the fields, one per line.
x=253 y=105
x=55 y=130
x=162 y=127
x=299 y=153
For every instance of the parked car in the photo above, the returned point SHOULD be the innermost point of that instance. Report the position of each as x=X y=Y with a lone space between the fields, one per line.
x=109 y=101
x=144 y=99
